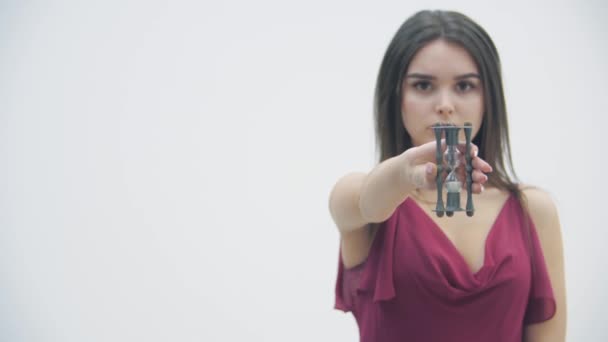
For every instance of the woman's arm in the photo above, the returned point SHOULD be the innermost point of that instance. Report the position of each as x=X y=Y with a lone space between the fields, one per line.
x=546 y=220
x=359 y=198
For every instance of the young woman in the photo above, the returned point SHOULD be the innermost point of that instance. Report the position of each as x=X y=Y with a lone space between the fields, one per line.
x=408 y=275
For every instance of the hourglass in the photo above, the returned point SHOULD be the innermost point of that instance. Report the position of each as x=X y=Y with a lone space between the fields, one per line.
x=448 y=163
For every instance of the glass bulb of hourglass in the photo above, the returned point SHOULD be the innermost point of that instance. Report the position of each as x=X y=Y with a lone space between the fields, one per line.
x=452 y=184
x=451 y=159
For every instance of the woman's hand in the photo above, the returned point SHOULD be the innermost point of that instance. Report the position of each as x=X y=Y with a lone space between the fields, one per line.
x=421 y=167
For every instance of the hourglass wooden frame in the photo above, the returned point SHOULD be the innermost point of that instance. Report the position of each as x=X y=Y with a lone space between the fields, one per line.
x=451 y=132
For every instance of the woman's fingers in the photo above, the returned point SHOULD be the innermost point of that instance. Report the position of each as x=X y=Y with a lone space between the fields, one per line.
x=476 y=188
x=477 y=162
x=462 y=147
x=430 y=172
x=422 y=159
x=479 y=177
x=482 y=165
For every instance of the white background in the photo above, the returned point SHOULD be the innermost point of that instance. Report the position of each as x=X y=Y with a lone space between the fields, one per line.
x=165 y=166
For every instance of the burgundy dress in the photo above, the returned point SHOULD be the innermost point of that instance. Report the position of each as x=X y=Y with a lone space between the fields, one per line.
x=416 y=286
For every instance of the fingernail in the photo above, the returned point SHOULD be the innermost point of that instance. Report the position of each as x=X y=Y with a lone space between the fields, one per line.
x=476 y=151
x=429 y=169
x=482 y=188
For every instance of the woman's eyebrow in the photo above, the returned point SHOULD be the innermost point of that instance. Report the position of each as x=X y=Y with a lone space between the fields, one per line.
x=431 y=77
x=422 y=76
x=469 y=75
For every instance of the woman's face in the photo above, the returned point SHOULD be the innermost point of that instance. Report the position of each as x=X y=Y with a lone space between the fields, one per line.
x=442 y=84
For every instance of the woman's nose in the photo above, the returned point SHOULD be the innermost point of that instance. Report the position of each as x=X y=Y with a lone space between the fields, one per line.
x=445 y=106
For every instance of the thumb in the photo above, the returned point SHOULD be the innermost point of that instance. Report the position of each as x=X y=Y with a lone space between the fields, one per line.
x=430 y=173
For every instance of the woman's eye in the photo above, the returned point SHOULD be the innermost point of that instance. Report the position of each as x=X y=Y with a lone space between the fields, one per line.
x=464 y=86
x=422 y=85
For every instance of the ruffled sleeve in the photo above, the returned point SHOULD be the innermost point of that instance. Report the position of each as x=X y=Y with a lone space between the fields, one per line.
x=346 y=285
x=541 y=303
x=375 y=275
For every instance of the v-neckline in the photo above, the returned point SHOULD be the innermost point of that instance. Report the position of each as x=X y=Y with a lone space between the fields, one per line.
x=451 y=243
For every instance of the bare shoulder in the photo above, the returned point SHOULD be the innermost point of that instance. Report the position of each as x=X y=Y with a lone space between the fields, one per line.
x=542 y=208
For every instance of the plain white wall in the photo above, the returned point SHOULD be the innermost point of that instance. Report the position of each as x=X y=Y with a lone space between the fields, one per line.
x=165 y=165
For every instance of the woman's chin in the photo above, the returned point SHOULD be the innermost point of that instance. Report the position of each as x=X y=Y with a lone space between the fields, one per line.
x=424 y=141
